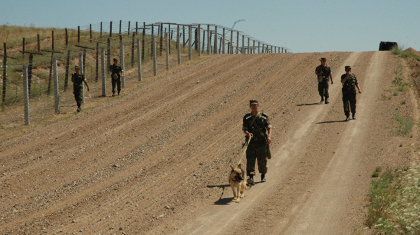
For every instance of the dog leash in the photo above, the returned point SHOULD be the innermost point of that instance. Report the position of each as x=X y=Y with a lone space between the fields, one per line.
x=246 y=147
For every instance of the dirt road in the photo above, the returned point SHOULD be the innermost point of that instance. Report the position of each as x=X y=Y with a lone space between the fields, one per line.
x=156 y=160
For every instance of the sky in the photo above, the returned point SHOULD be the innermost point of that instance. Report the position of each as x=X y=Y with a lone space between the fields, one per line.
x=299 y=25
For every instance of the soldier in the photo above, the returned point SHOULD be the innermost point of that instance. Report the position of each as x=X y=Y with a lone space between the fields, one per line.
x=324 y=74
x=78 y=79
x=257 y=125
x=349 y=82
x=116 y=74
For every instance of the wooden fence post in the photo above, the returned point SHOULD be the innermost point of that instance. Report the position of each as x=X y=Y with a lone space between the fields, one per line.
x=161 y=39
x=122 y=63
x=90 y=32
x=237 y=42
x=110 y=29
x=100 y=30
x=120 y=28
x=67 y=36
x=103 y=72
x=26 y=94
x=56 y=91
x=3 y=98
x=143 y=40
x=66 y=77
x=215 y=40
x=132 y=50
x=198 y=40
x=23 y=48
x=97 y=62
x=154 y=55
x=31 y=59
x=208 y=40
x=167 y=51
x=78 y=35
x=243 y=45
x=189 y=42
x=223 y=40
x=108 y=56
x=38 y=43
x=231 y=42
x=129 y=27
x=139 y=62
x=178 y=44
x=82 y=70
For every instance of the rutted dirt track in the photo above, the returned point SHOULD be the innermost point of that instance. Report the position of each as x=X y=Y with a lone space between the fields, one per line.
x=156 y=160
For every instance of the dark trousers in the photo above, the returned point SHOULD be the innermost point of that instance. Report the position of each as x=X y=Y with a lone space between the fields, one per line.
x=349 y=102
x=116 y=82
x=256 y=152
x=77 y=91
x=323 y=89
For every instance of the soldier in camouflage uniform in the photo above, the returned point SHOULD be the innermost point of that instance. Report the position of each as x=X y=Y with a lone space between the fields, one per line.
x=257 y=125
x=78 y=79
x=324 y=74
x=116 y=74
x=350 y=83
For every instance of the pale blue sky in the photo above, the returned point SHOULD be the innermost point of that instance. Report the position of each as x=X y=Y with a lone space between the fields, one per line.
x=300 y=25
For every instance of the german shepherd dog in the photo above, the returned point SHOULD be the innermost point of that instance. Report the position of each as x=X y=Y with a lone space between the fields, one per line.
x=237 y=182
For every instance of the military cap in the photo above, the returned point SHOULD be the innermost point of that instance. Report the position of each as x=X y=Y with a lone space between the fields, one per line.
x=115 y=59
x=76 y=67
x=253 y=102
x=323 y=59
x=347 y=67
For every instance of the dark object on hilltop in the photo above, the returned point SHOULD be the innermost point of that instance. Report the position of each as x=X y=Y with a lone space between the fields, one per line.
x=387 y=46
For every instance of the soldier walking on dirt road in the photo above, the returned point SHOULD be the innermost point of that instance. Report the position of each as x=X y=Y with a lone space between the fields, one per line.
x=257 y=125
x=116 y=74
x=349 y=82
x=78 y=79
x=324 y=74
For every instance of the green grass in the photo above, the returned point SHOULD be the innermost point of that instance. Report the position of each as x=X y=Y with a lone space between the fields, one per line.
x=405 y=124
x=394 y=202
x=403 y=53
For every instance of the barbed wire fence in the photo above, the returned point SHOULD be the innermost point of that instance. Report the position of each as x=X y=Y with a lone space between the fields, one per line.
x=35 y=79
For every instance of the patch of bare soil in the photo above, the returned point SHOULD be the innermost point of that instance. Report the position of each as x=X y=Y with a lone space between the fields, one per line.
x=156 y=160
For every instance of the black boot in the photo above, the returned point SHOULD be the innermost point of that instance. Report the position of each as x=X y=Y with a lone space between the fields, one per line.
x=262 y=177
x=326 y=101
x=251 y=180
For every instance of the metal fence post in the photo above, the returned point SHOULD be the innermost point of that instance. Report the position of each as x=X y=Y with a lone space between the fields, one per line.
x=56 y=92
x=103 y=72
x=26 y=94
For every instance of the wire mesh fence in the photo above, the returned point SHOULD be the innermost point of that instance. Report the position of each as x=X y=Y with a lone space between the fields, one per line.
x=142 y=49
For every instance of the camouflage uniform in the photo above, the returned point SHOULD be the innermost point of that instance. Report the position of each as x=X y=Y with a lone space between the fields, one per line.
x=116 y=78
x=258 y=147
x=78 y=80
x=323 y=80
x=349 y=94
